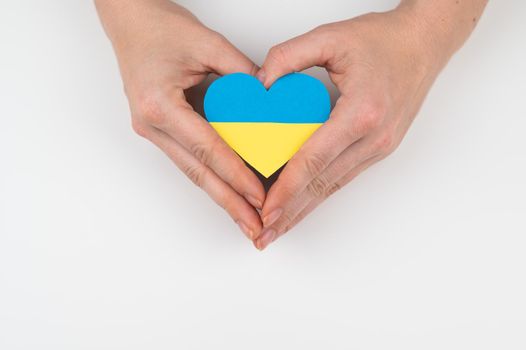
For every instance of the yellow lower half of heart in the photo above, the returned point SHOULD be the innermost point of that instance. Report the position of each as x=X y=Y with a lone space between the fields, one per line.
x=265 y=146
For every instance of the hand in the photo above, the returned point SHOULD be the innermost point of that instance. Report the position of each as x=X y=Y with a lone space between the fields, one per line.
x=163 y=50
x=383 y=66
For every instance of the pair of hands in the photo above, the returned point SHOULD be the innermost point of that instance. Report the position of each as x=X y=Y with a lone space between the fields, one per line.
x=382 y=64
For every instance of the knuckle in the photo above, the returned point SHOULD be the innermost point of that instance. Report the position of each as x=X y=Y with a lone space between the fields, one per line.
x=294 y=222
x=371 y=117
x=219 y=40
x=254 y=70
x=289 y=190
x=139 y=128
x=318 y=186
x=150 y=110
x=227 y=204
x=332 y=188
x=367 y=122
x=279 y=53
x=322 y=28
x=287 y=217
x=196 y=174
x=385 y=143
x=328 y=32
x=314 y=164
x=203 y=152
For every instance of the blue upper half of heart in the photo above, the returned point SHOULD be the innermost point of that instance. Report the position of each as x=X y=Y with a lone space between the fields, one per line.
x=294 y=98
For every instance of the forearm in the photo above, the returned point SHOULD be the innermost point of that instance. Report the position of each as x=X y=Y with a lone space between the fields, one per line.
x=445 y=24
x=112 y=10
x=122 y=19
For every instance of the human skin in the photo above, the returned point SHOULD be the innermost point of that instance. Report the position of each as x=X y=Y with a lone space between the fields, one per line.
x=383 y=65
x=162 y=50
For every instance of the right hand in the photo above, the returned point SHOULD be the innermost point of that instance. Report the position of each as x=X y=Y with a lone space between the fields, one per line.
x=163 y=50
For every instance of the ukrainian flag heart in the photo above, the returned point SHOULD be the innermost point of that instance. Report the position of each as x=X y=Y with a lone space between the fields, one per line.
x=266 y=127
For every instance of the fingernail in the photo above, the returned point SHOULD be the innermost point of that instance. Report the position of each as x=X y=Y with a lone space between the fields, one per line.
x=248 y=232
x=272 y=217
x=266 y=238
x=261 y=76
x=254 y=201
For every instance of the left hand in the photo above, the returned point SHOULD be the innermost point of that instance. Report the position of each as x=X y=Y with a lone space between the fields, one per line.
x=163 y=50
x=383 y=66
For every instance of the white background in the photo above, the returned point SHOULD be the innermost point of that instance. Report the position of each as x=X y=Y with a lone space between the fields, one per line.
x=105 y=245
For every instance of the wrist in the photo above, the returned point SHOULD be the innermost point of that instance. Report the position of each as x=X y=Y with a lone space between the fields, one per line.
x=125 y=20
x=433 y=39
x=442 y=26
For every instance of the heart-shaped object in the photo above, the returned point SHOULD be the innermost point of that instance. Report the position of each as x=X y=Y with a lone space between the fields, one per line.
x=266 y=127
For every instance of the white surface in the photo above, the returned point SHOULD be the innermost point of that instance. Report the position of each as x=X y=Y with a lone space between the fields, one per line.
x=105 y=245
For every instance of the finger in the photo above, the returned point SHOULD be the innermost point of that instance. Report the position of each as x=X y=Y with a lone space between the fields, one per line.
x=263 y=241
x=321 y=186
x=344 y=180
x=347 y=124
x=310 y=49
x=225 y=58
x=194 y=134
x=236 y=206
x=338 y=184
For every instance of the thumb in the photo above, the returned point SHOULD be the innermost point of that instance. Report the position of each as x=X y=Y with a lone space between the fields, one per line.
x=227 y=59
x=299 y=53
